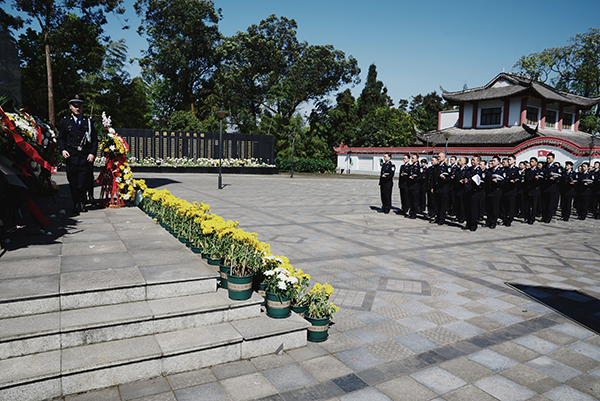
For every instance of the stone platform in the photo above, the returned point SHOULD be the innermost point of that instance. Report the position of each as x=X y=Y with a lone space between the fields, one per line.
x=428 y=312
x=117 y=299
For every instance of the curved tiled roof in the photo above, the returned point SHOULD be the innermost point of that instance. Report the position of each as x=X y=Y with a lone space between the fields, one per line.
x=509 y=136
x=519 y=85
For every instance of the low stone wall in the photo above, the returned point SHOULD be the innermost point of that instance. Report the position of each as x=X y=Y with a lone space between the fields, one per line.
x=204 y=170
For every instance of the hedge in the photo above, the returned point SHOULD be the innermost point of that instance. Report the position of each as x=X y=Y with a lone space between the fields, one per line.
x=305 y=165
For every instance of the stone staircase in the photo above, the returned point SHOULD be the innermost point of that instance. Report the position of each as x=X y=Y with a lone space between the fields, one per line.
x=102 y=328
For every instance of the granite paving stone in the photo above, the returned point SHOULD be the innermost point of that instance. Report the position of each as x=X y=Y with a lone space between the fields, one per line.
x=359 y=359
x=575 y=359
x=530 y=378
x=417 y=391
x=326 y=367
x=246 y=387
x=586 y=349
x=144 y=388
x=537 y=344
x=565 y=393
x=209 y=392
x=288 y=377
x=438 y=380
x=325 y=390
x=466 y=369
x=365 y=335
x=492 y=360
x=553 y=368
x=369 y=393
x=504 y=389
x=416 y=342
x=468 y=393
x=192 y=378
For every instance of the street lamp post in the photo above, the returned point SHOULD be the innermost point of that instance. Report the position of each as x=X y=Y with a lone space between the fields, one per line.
x=350 y=157
x=293 y=136
x=221 y=114
x=447 y=136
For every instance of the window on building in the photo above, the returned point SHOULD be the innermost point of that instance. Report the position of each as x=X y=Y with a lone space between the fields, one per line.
x=491 y=116
x=567 y=121
x=532 y=115
x=550 y=119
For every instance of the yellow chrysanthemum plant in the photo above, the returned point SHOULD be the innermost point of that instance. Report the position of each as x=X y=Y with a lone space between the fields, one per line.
x=318 y=303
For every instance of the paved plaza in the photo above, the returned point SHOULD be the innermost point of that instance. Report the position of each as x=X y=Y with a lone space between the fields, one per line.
x=427 y=312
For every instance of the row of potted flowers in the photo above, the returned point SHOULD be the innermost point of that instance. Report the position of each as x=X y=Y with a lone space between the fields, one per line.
x=191 y=162
x=245 y=263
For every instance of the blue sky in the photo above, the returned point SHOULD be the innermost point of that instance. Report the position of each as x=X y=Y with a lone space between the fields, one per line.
x=416 y=45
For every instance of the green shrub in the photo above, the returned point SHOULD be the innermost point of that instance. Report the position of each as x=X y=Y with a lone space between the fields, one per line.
x=305 y=165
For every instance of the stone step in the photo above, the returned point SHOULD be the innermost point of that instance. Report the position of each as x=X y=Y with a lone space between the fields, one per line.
x=85 y=289
x=78 y=369
x=72 y=328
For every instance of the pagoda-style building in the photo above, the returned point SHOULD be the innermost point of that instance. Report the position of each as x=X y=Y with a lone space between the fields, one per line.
x=512 y=114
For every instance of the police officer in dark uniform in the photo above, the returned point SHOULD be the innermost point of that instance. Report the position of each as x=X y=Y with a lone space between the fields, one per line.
x=494 y=181
x=441 y=187
x=510 y=190
x=78 y=142
x=475 y=177
x=386 y=183
x=415 y=177
x=585 y=182
x=403 y=185
x=460 y=187
x=567 y=190
x=550 y=191
x=533 y=178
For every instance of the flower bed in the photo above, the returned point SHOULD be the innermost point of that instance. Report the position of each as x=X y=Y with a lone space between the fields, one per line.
x=198 y=166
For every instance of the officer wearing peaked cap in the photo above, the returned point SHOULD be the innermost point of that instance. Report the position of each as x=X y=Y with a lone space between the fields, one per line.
x=78 y=142
x=386 y=183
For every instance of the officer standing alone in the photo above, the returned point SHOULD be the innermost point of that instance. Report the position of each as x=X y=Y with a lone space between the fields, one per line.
x=78 y=142
x=386 y=183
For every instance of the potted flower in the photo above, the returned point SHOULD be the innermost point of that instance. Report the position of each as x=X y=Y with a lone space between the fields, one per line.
x=245 y=256
x=319 y=312
x=282 y=286
x=300 y=300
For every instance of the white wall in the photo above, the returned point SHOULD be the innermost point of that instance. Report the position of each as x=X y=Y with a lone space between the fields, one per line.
x=514 y=118
x=448 y=118
x=468 y=116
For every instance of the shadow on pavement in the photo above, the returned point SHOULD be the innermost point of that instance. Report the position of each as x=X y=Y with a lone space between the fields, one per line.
x=159 y=182
x=573 y=304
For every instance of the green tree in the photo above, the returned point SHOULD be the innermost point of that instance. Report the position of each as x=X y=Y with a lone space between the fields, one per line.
x=574 y=68
x=77 y=51
x=111 y=90
x=182 y=49
x=374 y=94
x=51 y=16
x=425 y=110
x=267 y=73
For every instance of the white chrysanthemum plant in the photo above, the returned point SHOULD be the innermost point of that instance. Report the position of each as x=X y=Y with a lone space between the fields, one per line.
x=280 y=282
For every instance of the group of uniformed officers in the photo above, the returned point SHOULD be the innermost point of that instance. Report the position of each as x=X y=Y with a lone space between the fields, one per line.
x=500 y=190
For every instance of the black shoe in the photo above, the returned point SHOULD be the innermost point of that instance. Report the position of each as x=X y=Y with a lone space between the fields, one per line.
x=507 y=224
x=440 y=223
x=82 y=207
x=386 y=212
x=473 y=228
x=412 y=217
x=380 y=211
x=76 y=209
